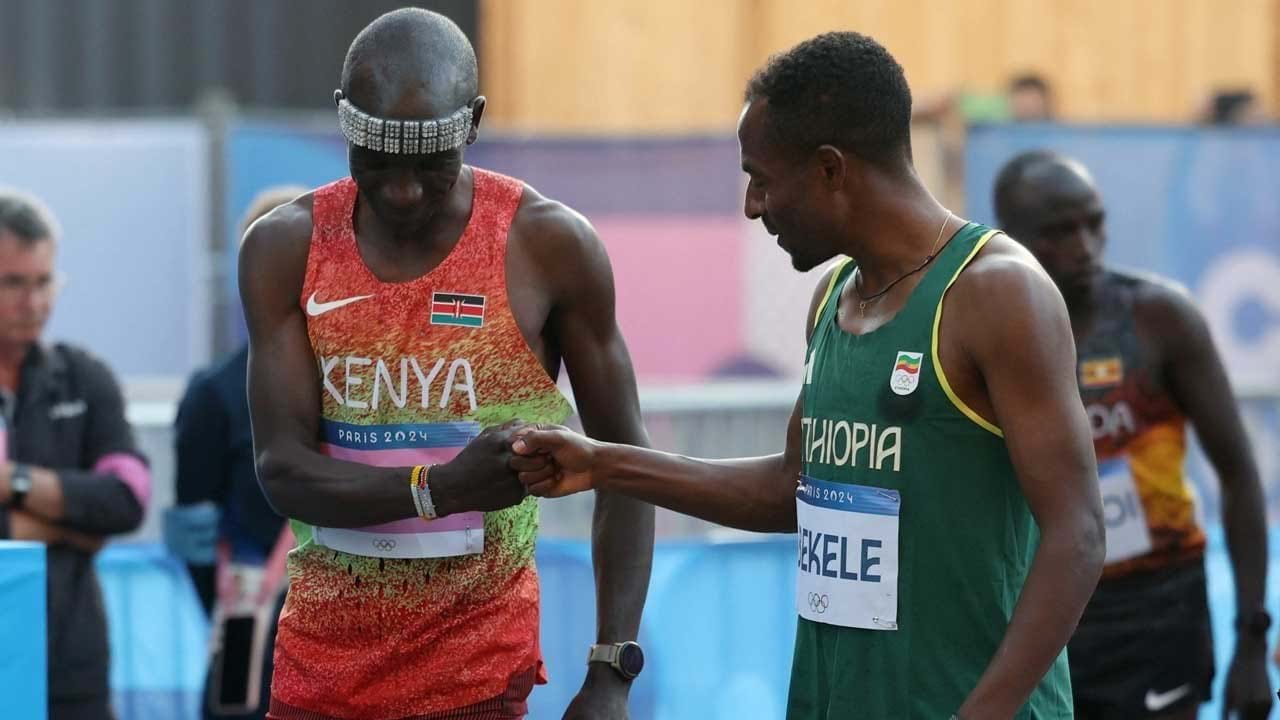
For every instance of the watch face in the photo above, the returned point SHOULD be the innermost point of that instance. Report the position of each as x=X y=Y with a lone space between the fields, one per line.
x=631 y=659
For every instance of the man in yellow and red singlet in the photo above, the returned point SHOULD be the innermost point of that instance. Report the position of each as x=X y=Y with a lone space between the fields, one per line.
x=1147 y=366
x=400 y=319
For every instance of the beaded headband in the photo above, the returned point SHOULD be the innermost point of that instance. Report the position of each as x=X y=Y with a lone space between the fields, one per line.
x=407 y=137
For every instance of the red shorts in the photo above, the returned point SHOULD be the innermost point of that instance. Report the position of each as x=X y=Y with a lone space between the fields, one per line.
x=510 y=705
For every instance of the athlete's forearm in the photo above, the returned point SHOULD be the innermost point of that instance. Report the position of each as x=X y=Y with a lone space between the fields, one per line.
x=755 y=494
x=305 y=485
x=1063 y=576
x=622 y=554
x=1245 y=524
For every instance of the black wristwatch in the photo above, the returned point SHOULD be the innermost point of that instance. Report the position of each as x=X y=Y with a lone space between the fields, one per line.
x=626 y=658
x=1256 y=623
x=19 y=485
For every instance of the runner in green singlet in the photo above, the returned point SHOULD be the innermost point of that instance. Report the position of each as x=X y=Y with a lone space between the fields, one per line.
x=938 y=468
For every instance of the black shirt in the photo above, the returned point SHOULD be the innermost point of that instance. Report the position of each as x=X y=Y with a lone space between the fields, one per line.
x=68 y=415
x=214 y=446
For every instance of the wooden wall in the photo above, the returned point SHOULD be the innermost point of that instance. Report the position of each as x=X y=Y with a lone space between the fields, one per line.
x=679 y=66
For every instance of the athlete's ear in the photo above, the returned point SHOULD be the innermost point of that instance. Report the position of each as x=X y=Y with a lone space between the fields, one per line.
x=832 y=164
x=477 y=109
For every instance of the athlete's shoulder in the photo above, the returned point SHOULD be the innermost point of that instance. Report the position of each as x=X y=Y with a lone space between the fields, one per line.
x=1002 y=265
x=1147 y=288
x=551 y=218
x=275 y=247
x=1003 y=295
x=554 y=233
x=1162 y=307
x=282 y=228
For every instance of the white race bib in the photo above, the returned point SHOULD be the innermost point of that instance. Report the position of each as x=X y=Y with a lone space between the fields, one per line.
x=848 y=542
x=403 y=446
x=461 y=534
x=1127 y=533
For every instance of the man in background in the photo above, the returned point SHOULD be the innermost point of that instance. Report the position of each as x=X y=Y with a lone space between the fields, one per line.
x=1027 y=98
x=1030 y=99
x=1147 y=367
x=1234 y=108
x=72 y=475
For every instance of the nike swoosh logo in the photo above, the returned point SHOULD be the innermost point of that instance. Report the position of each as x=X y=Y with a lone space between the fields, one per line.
x=315 y=309
x=1158 y=701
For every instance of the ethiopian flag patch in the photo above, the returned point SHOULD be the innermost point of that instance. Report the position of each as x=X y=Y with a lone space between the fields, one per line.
x=906 y=372
x=456 y=309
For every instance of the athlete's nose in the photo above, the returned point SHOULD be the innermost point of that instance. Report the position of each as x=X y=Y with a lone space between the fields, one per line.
x=753 y=204
x=1082 y=246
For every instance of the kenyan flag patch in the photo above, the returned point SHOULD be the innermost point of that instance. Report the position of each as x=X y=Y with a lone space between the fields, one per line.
x=455 y=309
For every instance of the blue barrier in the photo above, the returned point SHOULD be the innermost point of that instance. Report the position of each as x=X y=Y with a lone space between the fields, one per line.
x=718 y=629
x=22 y=630
x=158 y=630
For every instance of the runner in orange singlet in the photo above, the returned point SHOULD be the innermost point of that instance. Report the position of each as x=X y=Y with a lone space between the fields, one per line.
x=398 y=320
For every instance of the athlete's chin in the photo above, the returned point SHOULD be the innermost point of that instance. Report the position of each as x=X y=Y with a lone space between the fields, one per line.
x=804 y=263
x=405 y=217
x=1078 y=285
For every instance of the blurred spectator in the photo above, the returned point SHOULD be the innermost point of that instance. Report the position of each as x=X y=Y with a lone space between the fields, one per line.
x=1027 y=98
x=72 y=474
x=1234 y=108
x=945 y=121
x=222 y=514
x=1030 y=99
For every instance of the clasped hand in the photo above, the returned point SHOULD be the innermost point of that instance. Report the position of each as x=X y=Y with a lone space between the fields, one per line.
x=554 y=461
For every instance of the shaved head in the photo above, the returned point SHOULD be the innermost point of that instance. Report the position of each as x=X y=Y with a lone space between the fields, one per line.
x=410 y=64
x=413 y=65
x=1030 y=180
x=1050 y=204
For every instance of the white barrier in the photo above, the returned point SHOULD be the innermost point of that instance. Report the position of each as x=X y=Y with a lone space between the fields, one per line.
x=716 y=419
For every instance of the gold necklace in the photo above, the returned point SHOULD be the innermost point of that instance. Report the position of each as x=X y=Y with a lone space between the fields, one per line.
x=864 y=301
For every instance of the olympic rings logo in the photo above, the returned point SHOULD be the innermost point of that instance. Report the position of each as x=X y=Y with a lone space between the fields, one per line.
x=819 y=602
x=384 y=544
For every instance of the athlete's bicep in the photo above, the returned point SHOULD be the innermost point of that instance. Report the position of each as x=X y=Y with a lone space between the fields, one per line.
x=603 y=380
x=283 y=377
x=584 y=323
x=1199 y=384
x=1026 y=357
